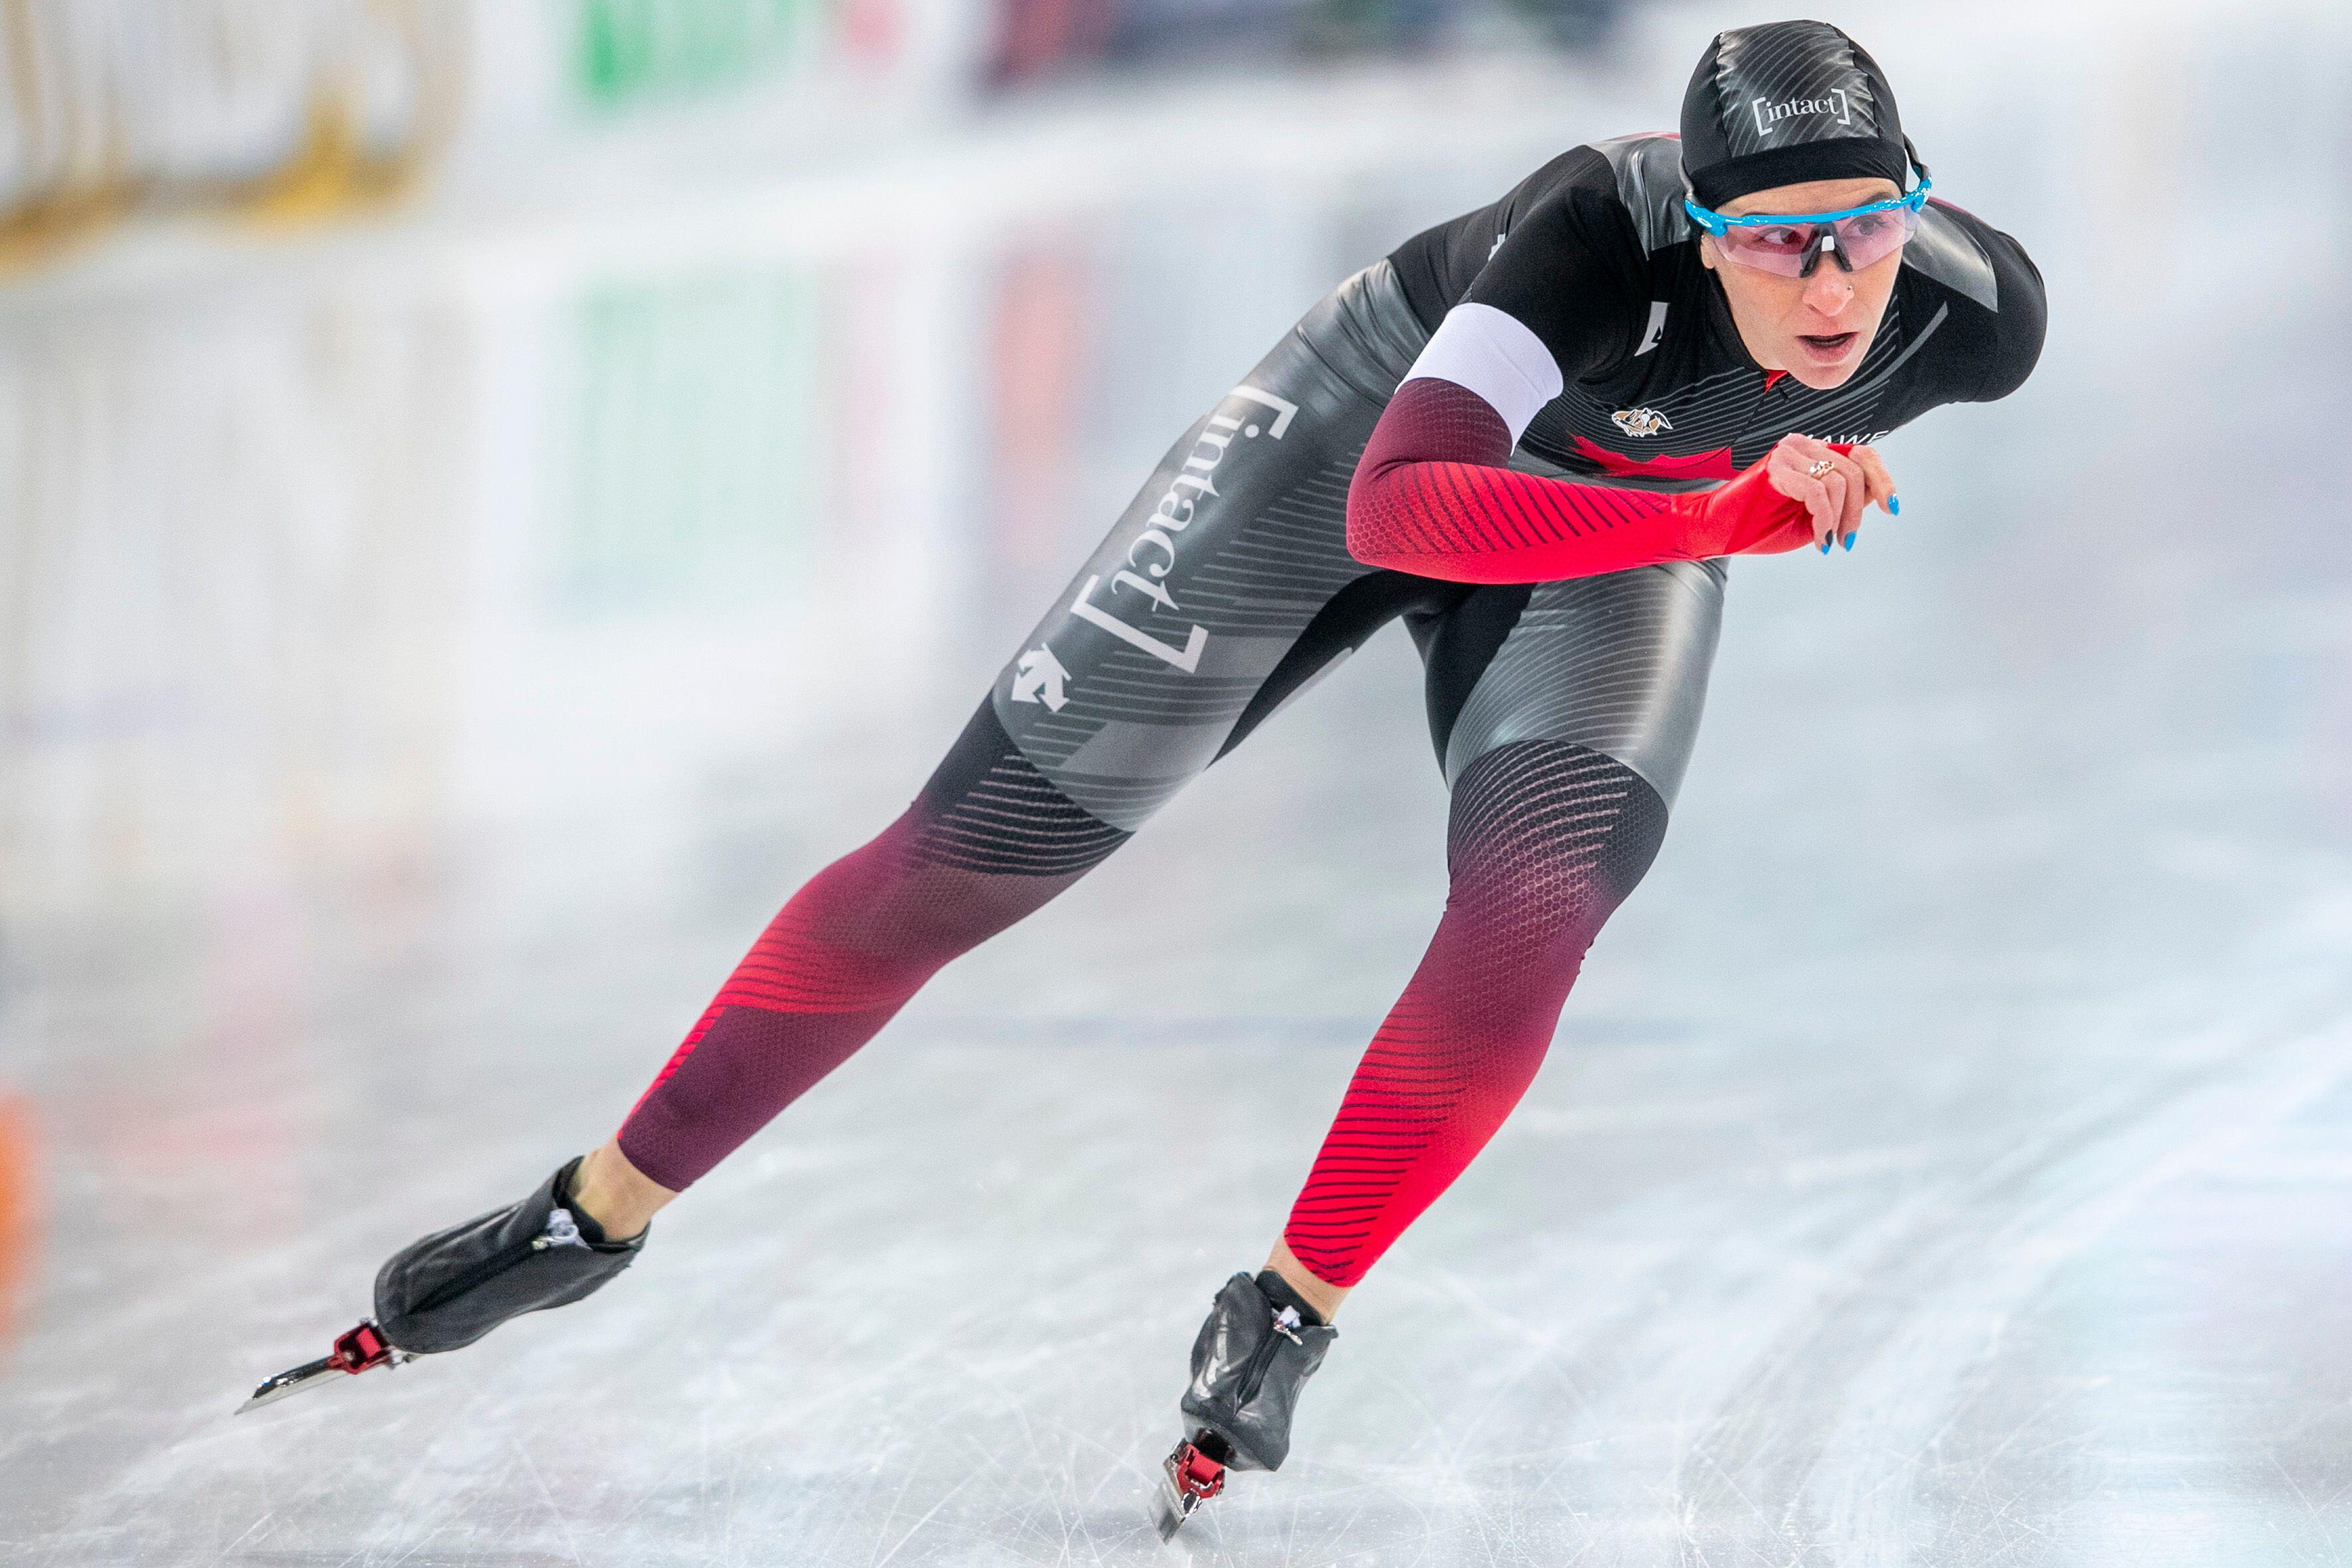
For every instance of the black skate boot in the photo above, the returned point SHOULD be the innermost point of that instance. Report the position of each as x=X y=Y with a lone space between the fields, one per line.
x=1260 y=1345
x=453 y=1286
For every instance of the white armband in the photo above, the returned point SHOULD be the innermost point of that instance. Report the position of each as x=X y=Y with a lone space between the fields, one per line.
x=1496 y=355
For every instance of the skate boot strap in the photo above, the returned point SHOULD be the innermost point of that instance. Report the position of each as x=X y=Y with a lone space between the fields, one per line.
x=1280 y=1295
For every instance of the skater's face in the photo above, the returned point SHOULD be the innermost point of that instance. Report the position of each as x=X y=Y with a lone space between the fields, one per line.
x=1816 y=328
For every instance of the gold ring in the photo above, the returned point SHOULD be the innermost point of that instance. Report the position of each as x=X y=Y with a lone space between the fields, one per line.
x=1819 y=469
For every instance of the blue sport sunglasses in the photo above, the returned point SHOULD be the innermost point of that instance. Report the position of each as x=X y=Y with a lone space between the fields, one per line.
x=1792 y=244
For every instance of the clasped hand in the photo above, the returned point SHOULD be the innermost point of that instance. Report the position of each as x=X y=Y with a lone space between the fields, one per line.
x=1836 y=494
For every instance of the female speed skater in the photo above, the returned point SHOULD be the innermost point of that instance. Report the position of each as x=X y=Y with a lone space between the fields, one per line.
x=1534 y=434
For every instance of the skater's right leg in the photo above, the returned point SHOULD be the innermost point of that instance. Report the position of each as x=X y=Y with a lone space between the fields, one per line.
x=987 y=841
x=623 y=1198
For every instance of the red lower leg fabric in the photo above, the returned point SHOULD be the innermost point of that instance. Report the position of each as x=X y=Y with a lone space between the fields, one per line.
x=1432 y=497
x=1546 y=839
x=989 y=841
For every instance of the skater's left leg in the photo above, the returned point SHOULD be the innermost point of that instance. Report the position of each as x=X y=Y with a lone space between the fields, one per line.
x=1546 y=839
x=1565 y=716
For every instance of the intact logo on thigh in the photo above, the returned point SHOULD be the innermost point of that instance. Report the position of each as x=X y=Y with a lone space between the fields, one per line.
x=1640 y=422
x=1154 y=553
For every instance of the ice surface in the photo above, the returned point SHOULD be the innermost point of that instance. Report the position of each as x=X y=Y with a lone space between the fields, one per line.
x=426 y=659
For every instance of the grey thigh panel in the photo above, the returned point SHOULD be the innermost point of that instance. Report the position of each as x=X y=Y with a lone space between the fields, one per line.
x=1132 y=682
x=1616 y=663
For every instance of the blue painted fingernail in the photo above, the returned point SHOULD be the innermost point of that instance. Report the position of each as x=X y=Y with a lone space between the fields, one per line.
x=1852 y=537
x=1825 y=547
x=1895 y=506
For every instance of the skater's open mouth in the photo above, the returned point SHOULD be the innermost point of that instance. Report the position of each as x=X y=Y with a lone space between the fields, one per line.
x=1828 y=348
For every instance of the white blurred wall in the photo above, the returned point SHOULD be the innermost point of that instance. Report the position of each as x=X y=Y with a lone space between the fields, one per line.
x=305 y=534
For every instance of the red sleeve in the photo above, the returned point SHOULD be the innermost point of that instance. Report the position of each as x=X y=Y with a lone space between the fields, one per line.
x=1431 y=497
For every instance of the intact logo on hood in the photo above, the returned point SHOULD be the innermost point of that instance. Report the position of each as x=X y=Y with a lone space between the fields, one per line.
x=1832 y=105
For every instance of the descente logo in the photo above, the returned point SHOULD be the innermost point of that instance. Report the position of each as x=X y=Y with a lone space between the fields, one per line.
x=1770 y=115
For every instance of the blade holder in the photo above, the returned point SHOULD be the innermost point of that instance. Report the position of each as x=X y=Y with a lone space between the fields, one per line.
x=1197 y=1476
x=361 y=1349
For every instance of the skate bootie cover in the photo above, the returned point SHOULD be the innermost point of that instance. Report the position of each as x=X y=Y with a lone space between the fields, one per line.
x=453 y=1286
x=1258 y=1348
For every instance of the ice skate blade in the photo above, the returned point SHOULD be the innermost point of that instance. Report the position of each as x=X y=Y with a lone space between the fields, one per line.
x=1168 y=1511
x=361 y=1350
x=1188 y=1478
x=295 y=1382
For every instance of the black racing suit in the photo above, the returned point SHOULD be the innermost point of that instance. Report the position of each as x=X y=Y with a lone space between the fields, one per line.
x=1563 y=712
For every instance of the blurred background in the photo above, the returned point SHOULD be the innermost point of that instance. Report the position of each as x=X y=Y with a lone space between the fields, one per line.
x=494 y=493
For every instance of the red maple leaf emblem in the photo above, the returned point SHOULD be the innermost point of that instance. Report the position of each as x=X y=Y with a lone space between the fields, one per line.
x=1711 y=465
